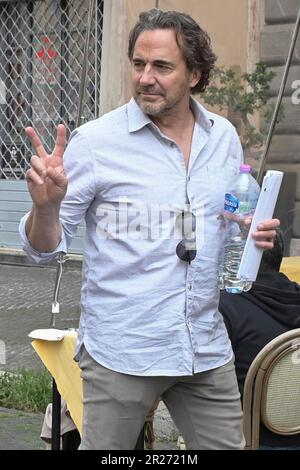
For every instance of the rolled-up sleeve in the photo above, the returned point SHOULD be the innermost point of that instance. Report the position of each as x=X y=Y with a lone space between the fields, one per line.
x=34 y=255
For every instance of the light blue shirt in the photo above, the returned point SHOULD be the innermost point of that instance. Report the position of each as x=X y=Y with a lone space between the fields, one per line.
x=143 y=310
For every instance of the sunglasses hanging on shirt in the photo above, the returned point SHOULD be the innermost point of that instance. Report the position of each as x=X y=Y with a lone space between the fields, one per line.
x=186 y=248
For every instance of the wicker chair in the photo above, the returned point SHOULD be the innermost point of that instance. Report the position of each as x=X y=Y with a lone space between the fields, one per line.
x=272 y=389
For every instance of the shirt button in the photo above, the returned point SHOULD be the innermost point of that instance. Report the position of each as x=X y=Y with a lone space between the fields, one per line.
x=188 y=178
x=172 y=145
x=190 y=287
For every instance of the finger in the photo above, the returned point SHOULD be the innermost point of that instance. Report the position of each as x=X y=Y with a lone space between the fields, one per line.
x=36 y=142
x=264 y=235
x=38 y=166
x=271 y=224
x=57 y=175
x=60 y=142
x=265 y=245
x=33 y=177
x=248 y=221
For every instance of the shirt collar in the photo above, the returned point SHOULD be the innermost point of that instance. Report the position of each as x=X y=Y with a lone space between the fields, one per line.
x=137 y=119
x=202 y=116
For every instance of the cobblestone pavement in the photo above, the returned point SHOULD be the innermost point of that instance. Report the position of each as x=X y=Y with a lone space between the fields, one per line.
x=25 y=305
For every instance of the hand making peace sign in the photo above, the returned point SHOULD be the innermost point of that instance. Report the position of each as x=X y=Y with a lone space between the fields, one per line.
x=47 y=182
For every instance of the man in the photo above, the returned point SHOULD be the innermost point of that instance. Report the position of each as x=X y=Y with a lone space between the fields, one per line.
x=150 y=325
x=254 y=318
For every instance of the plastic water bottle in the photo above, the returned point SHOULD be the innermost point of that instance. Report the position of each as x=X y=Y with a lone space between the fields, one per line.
x=240 y=202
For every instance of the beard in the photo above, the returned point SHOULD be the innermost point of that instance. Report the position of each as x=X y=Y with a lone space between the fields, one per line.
x=149 y=105
x=153 y=109
x=164 y=105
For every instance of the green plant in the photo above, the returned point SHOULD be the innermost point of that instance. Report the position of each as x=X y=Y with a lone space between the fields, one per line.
x=26 y=389
x=242 y=95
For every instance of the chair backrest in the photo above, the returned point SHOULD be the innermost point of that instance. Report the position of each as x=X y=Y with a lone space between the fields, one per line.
x=272 y=389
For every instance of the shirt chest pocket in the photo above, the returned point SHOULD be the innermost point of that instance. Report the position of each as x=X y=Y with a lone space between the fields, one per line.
x=209 y=190
x=214 y=183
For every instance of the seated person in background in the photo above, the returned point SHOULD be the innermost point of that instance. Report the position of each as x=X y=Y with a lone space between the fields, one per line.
x=254 y=318
x=70 y=437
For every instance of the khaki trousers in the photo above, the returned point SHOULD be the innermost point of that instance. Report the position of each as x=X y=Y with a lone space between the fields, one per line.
x=205 y=407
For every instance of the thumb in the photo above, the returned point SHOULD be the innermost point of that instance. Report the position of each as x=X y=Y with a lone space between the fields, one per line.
x=248 y=221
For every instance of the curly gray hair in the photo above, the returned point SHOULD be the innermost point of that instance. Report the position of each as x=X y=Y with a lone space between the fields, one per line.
x=193 y=41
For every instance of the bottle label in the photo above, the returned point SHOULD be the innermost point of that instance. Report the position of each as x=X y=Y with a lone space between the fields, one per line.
x=231 y=203
x=245 y=207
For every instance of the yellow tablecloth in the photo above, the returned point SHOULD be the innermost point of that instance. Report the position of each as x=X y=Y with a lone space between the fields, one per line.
x=58 y=356
x=291 y=268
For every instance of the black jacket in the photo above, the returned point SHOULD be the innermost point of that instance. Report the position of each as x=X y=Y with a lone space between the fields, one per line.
x=254 y=318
